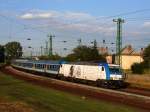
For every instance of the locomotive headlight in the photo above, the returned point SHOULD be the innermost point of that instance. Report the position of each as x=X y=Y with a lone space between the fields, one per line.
x=111 y=78
x=115 y=78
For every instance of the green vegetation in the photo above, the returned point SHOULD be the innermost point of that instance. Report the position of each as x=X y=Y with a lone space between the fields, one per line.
x=10 y=51
x=143 y=67
x=80 y=53
x=53 y=57
x=2 y=52
x=137 y=68
x=13 y=50
x=85 y=53
x=48 y=100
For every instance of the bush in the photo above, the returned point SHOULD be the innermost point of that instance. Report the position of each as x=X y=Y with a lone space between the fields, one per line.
x=137 y=68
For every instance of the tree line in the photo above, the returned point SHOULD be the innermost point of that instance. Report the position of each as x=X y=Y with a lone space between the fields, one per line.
x=80 y=53
x=13 y=50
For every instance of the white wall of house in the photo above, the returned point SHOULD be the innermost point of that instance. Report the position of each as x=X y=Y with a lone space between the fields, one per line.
x=129 y=60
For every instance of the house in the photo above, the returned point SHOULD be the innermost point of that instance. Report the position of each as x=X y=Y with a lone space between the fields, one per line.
x=129 y=56
x=102 y=50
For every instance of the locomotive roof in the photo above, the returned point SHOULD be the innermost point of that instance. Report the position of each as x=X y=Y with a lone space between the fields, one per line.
x=94 y=64
x=83 y=63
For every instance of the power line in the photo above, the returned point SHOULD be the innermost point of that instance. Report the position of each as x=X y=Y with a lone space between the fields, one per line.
x=127 y=13
x=146 y=19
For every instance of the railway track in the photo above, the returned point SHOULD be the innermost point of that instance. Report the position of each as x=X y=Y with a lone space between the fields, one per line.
x=129 y=96
x=139 y=91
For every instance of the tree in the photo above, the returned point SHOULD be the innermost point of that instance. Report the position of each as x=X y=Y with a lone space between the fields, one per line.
x=95 y=44
x=137 y=68
x=53 y=57
x=70 y=57
x=145 y=65
x=2 y=54
x=13 y=50
x=85 y=53
x=146 y=55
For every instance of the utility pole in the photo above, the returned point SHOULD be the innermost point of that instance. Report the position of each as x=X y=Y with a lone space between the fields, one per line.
x=80 y=42
x=50 y=44
x=95 y=44
x=119 y=22
x=41 y=50
x=46 y=49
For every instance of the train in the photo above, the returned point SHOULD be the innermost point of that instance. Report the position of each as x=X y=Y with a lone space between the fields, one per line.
x=102 y=74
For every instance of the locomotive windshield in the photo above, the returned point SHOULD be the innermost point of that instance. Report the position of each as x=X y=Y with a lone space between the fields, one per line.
x=115 y=70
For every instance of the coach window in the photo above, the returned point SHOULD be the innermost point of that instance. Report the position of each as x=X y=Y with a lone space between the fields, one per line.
x=102 y=68
x=49 y=67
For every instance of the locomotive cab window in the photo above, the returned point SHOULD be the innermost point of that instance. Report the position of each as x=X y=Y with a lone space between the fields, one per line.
x=102 y=68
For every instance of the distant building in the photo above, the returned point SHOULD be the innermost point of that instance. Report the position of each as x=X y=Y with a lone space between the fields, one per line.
x=102 y=50
x=128 y=57
x=109 y=59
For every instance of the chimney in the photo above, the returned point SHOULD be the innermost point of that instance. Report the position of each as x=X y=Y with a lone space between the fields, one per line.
x=142 y=50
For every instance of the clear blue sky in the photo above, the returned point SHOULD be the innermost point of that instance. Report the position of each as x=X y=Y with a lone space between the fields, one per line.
x=73 y=19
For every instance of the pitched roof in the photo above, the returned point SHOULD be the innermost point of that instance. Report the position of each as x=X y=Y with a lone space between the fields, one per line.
x=128 y=50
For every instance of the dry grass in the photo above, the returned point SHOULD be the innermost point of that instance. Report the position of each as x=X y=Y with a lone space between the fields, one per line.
x=139 y=80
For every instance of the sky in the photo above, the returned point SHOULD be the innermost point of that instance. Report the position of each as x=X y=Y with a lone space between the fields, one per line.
x=70 y=20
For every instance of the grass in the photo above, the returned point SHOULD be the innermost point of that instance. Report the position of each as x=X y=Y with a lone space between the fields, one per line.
x=48 y=100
